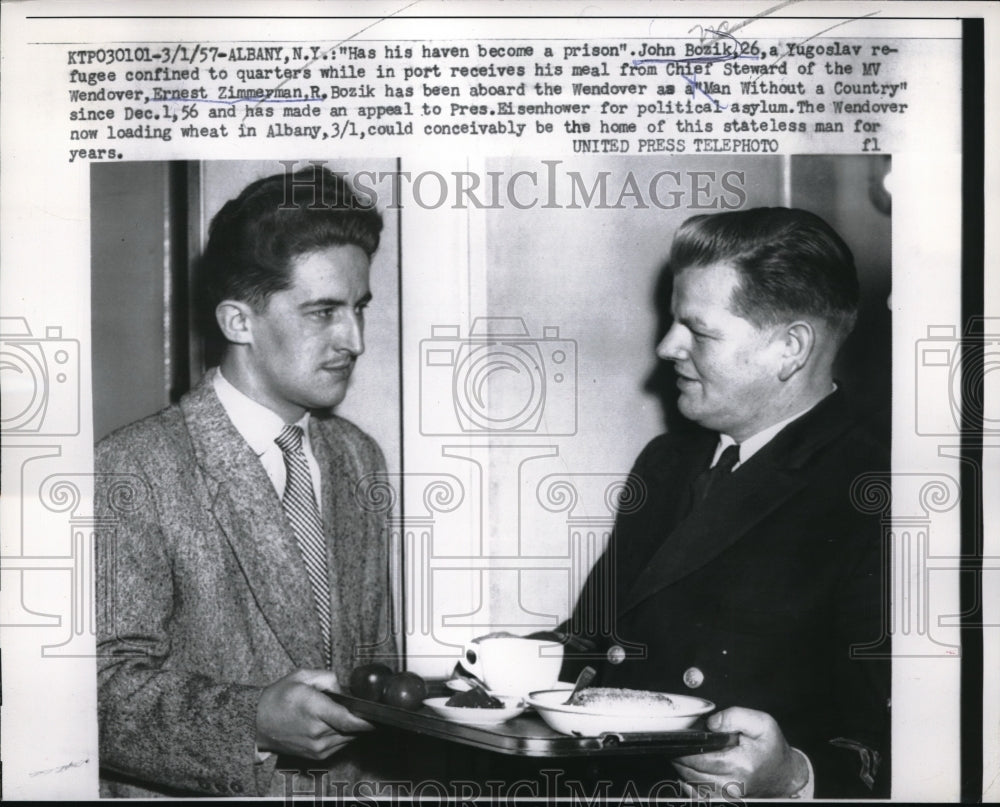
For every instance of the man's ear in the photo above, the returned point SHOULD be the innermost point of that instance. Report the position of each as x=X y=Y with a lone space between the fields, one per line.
x=234 y=318
x=799 y=341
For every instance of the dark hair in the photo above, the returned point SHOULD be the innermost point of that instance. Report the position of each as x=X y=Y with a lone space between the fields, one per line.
x=254 y=237
x=790 y=261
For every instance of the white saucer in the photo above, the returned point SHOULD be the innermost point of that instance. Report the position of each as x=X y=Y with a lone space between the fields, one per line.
x=471 y=716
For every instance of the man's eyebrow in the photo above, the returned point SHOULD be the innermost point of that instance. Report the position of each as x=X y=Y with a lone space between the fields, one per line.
x=692 y=320
x=333 y=302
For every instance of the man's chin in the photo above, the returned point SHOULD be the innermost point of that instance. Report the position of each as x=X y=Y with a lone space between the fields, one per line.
x=691 y=410
x=687 y=407
x=329 y=399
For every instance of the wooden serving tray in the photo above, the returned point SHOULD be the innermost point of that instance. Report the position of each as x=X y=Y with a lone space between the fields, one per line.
x=529 y=736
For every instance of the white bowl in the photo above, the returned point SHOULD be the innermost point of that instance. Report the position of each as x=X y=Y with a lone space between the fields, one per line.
x=472 y=716
x=585 y=721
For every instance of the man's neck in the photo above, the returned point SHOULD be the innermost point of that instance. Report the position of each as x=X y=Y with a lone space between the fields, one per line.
x=792 y=409
x=235 y=372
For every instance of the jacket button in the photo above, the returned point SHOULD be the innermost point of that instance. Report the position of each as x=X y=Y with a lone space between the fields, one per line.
x=616 y=654
x=693 y=677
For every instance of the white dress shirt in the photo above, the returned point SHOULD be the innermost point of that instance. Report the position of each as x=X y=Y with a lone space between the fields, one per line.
x=259 y=426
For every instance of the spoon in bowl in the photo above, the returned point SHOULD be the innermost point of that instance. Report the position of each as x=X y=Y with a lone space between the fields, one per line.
x=582 y=682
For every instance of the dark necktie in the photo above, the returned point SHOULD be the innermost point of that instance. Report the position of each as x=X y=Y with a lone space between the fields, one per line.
x=299 y=505
x=704 y=482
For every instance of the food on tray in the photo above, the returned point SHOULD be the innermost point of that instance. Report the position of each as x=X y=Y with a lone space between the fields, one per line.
x=474 y=699
x=621 y=701
x=376 y=682
x=405 y=690
x=368 y=681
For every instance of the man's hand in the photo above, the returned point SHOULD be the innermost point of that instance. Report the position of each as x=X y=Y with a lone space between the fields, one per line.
x=295 y=717
x=763 y=762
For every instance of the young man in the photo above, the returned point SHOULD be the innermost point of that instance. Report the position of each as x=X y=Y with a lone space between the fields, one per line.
x=744 y=573
x=241 y=578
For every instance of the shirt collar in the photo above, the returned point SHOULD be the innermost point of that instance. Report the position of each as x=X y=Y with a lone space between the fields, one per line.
x=258 y=425
x=753 y=444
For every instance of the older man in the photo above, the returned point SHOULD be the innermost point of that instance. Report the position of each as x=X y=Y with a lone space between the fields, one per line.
x=244 y=579
x=746 y=575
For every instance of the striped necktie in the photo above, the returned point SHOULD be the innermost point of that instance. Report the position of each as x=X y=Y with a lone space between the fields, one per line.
x=299 y=505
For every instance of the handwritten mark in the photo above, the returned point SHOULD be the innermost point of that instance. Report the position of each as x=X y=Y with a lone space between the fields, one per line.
x=788 y=53
x=762 y=14
x=61 y=768
x=706 y=59
x=731 y=56
x=696 y=89
x=260 y=99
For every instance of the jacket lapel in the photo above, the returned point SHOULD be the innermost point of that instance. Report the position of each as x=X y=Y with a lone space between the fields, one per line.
x=343 y=525
x=248 y=512
x=667 y=486
x=738 y=502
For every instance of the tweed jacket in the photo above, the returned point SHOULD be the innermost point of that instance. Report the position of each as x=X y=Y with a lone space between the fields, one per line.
x=761 y=597
x=204 y=599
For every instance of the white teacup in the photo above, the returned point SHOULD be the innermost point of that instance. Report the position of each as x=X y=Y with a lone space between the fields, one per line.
x=510 y=665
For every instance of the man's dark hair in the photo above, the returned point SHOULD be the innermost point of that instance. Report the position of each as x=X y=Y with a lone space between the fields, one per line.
x=254 y=237
x=791 y=263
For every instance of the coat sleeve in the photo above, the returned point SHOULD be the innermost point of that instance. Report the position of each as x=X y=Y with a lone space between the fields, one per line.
x=183 y=731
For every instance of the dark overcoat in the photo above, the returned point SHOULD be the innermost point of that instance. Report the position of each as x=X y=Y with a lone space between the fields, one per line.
x=764 y=596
